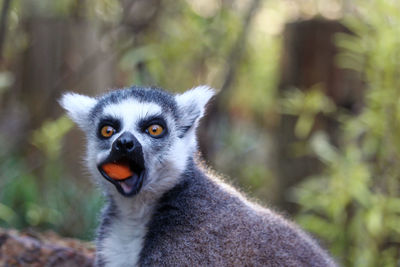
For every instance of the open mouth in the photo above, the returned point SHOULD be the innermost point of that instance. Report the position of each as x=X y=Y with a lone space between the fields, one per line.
x=124 y=173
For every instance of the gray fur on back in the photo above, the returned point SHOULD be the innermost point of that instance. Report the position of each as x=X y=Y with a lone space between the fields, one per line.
x=201 y=223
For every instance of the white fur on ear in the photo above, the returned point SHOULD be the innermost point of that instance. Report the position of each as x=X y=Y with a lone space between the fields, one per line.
x=78 y=107
x=191 y=106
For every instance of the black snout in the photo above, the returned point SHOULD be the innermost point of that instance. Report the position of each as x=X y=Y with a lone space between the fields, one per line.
x=128 y=147
x=126 y=151
x=125 y=143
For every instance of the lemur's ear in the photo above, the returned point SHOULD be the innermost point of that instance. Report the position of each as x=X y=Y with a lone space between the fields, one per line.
x=191 y=106
x=78 y=107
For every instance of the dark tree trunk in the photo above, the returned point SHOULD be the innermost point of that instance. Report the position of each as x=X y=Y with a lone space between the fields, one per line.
x=3 y=25
x=309 y=59
x=70 y=59
x=62 y=55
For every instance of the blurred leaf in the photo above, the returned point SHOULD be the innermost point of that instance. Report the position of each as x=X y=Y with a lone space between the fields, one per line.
x=322 y=148
x=306 y=105
x=48 y=137
x=6 y=80
x=6 y=214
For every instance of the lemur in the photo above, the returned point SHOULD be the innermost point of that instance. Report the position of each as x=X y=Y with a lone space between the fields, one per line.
x=164 y=208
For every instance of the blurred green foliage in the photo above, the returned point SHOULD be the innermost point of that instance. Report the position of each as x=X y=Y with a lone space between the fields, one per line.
x=43 y=196
x=196 y=46
x=354 y=203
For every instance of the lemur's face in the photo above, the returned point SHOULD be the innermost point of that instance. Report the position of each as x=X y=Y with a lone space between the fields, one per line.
x=138 y=138
x=131 y=139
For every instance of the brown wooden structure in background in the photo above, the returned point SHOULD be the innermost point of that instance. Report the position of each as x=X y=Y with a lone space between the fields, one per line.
x=309 y=59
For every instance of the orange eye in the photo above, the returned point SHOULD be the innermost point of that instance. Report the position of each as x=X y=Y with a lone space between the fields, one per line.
x=155 y=130
x=107 y=131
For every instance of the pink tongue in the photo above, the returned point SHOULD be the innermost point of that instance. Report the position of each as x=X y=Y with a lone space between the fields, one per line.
x=128 y=184
x=126 y=187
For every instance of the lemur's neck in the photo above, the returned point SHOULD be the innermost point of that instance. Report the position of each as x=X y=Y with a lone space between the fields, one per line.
x=125 y=222
x=139 y=209
x=122 y=232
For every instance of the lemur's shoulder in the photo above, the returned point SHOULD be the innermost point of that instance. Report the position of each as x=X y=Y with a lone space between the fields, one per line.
x=203 y=221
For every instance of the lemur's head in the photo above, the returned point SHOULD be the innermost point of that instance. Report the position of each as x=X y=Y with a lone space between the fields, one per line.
x=138 y=138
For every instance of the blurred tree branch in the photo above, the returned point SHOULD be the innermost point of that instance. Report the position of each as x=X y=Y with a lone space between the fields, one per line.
x=3 y=25
x=79 y=9
x=237 y=50
x=233 y=61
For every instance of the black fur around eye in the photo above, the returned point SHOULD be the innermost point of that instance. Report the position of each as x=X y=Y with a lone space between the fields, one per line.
x=154 y=127
x=107 y=128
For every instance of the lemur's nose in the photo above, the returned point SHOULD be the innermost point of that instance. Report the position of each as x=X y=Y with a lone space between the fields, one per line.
x=125 y=143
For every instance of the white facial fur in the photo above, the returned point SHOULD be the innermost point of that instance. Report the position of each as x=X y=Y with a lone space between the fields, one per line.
x=163 y=169
x=130 y=112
